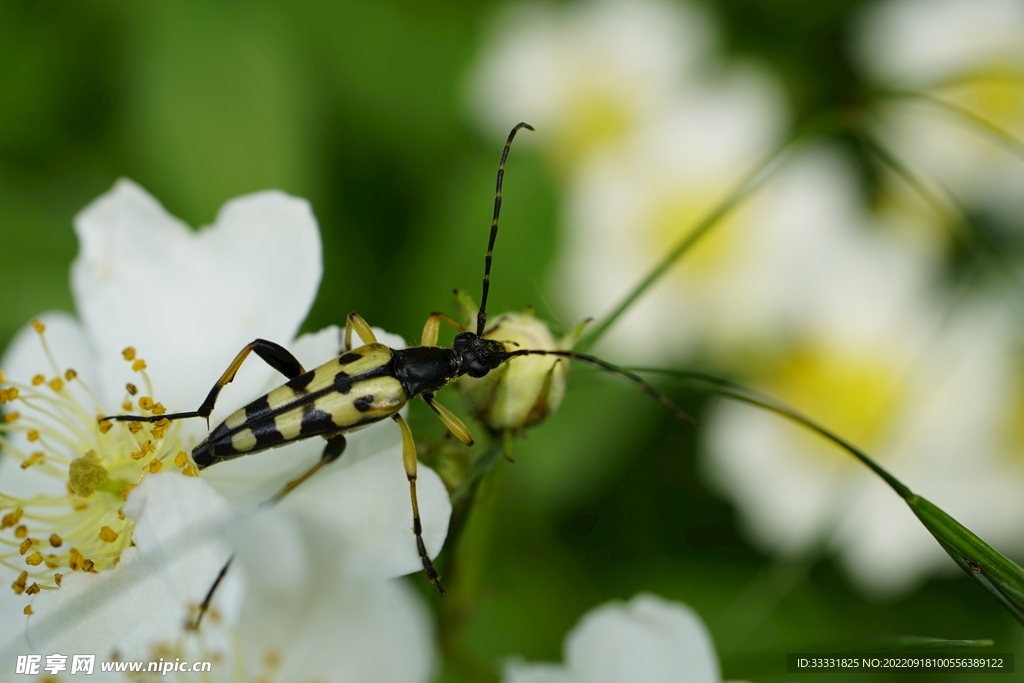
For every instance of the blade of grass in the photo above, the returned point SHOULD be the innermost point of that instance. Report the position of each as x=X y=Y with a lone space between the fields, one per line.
x=978 y=123
x=765 y=169
x=1001 y=577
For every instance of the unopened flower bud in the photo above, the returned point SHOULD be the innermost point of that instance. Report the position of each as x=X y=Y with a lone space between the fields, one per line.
x=525 y=390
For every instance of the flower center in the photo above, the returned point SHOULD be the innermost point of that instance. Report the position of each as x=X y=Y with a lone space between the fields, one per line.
x=78 y=469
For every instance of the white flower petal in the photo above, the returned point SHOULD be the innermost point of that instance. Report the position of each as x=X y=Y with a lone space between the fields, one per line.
x=146 y=598
x=522 y=672
x=321 y=619
x=366 y=497
x=647 y=639
x=189 y=301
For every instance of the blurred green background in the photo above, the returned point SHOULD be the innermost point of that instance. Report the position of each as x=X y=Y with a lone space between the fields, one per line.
x=359 y=107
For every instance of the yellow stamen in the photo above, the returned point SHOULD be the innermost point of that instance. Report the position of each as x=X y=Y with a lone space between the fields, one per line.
x=57 y=578
x=180 y=459
x=131 y=389
x=134 y=427
x=19 y=583
x=155 y=466
x=33 y=589
x=56 y=384
x=32 y=435
x=76 y=559
x=129 y=353
x=12 y=417
x=70 y=374
x=21 y=531
x=108 y=535
x=146 y=403
x=32 y=460
x=56 y=541
x=27 y=611
x=139 y=365
x=88 y=565
x=37 y=380
x=38 y=326
x=159 y=409
x=35 y=559
x=25 y=545
x=11 y=518
x=125 y=490
x=190 y=471
x=105 y=426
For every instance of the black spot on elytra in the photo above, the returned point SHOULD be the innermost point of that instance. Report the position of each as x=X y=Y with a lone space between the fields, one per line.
x=301 y=382
x=315 y=422
x=266 y=435
x=349 y=358
x=363 y=403
x=342 y=383
x=257 y=408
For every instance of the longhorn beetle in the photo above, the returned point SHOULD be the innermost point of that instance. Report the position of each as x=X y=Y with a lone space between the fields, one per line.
x=365 y=385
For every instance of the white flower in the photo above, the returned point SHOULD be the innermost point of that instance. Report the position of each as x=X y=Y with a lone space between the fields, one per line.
x=296 y=604
x=929 y=401
x=586 y=75
x=969 y=53
x=186 y=302
x=647 y=639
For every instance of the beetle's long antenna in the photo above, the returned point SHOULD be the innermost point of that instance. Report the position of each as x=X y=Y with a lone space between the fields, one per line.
x=481 y=317
x=654 y=393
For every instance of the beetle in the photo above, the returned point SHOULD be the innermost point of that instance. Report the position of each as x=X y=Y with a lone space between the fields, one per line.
x=365 y=385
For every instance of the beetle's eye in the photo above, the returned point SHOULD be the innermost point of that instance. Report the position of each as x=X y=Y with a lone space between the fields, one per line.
x=478 y=368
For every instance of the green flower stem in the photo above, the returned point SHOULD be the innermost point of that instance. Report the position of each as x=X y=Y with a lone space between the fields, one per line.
x=995 y=573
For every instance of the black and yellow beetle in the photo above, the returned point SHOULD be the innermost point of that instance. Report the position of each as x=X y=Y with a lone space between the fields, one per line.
x=365 y=385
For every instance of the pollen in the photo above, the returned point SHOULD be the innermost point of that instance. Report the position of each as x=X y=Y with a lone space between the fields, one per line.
x=38 y=326
x=35 y=559
x=131 y=389
x=11 y=518
x=57 y=578
x=180 y=459
x=56 y=541
x=155 y=466
x=27 y=611
x=86 y=474
x=139 y=365
x=146 y=403
x=75 y=560
x=32 y=435
x=129 y=353
x=25 y=546
x=12 y=417
x=19 y=583
x=108 y=535
x=38 y=380
x=70 y=374
x=21 y=531
x=190 y=471
x=33 y=589
x=56 y=384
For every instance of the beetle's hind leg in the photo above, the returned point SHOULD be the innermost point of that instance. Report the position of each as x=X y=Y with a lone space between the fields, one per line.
x=409 y=460
x=275 y=355
x=433 y=326
x=332 y=451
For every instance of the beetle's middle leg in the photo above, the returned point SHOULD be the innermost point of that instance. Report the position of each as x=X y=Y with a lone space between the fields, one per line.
x=433 y=326
x=275 y=355
x=409 y=460
x=362 y=328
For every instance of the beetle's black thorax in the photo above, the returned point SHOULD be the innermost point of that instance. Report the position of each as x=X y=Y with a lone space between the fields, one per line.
x=425 y=368
x=478 y=356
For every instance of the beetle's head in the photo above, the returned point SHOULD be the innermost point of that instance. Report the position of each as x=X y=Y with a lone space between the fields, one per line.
x=477 y=355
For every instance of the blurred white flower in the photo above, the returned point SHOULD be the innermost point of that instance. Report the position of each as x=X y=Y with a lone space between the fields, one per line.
x=751 y=282
x=587 y=75
x=647 y=639
x=968 y=53
x=928 y=399
x=188 y=302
